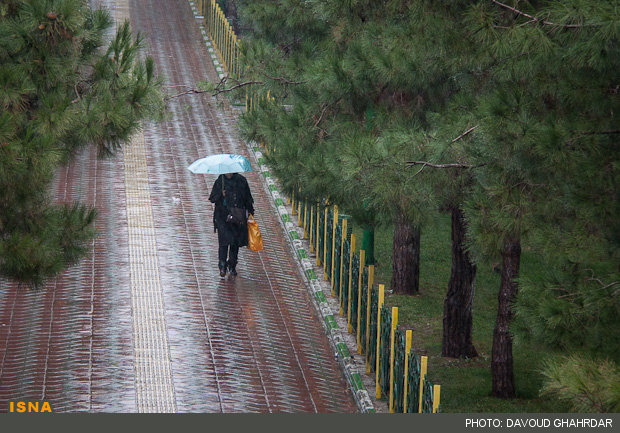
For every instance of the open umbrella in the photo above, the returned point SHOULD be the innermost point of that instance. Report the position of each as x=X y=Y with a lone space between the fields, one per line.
x=220 y=164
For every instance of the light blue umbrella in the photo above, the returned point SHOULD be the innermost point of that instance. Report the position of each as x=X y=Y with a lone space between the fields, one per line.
x=220 y=164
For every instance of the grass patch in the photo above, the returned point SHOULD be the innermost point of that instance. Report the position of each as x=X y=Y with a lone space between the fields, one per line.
x=465 y=383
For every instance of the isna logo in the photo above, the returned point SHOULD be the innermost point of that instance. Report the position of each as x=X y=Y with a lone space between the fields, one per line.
x=30 y=406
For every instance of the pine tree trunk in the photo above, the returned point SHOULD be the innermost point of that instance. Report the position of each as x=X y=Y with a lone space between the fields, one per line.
x=457 y=307
x=406 y=257
x=502 y=375
x=231 y=12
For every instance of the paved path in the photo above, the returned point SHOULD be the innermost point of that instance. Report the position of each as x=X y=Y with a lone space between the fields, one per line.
x=144 y=323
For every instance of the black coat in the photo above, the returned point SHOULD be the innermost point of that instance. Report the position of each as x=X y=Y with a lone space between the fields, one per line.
x=237 y=195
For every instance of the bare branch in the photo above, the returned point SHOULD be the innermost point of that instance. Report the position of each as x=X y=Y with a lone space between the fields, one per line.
x=321 y=116
x=534 y=19
x=187 y=92
x=515 y=10
x=77 y=94
x=423 y=165
x=451 y=165
x=465 y=133
x=236 y=86
x=325 y=107
x=217 y=90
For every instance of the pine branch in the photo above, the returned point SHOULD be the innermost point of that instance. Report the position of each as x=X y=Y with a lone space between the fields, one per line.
x=611 y=131
x=284 y=80
x=537 y=20
x=583 y=134
x=286 y=48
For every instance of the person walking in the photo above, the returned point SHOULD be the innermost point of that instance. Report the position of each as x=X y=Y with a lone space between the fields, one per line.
x=233 y=203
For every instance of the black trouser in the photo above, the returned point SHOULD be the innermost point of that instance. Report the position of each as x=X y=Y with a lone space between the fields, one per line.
x=224 y=251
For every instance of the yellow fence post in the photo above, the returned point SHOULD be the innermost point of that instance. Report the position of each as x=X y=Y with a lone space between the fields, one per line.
x=304 y=220
x=212 y=20
x=436 y=392
x=359 y=301
x=311 y=229
x=223 y=38
x=423 y=367
x=408 y=339
x=293 y=203
x=238 y=57
x=220 y=30
x=318 y=234
x=342 y=241
x=219 y=15
x=392 y=337
x=334 y=248
x=210 y=13
x=224 y=41
x=379 y=305
x=351 y=254
x=228 y=45
x=216 y=21
x=325 y=245
x=371 y=274
x=299 y=215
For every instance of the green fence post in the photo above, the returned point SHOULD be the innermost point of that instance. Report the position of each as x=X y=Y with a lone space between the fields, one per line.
x=368 y=244
x=360 y=289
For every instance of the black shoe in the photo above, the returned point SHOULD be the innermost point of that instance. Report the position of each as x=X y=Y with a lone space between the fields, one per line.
x=222 y=266
x=232 y=270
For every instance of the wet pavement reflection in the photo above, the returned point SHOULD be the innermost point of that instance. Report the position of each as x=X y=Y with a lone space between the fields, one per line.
x=253 y=343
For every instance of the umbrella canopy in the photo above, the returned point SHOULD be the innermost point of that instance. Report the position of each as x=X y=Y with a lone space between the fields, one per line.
x=220 y=164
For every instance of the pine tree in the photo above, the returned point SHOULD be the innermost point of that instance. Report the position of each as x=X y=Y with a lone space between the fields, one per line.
x=59 y=91
x=548 y=145
x=348 y=102
x=530 y=94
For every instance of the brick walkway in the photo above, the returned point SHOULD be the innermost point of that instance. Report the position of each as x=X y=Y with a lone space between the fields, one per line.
x=144 y=323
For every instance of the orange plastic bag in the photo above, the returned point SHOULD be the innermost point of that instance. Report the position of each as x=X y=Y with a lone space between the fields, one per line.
x=255 y=239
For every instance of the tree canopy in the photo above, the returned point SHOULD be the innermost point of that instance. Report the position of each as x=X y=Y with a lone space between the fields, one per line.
x=61 y=89
x=504 y=110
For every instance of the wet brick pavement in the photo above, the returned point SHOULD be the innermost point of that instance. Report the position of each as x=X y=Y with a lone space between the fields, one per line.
x=144 y=323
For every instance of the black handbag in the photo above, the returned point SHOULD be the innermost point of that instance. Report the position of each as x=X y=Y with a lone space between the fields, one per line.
x=236 y=215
